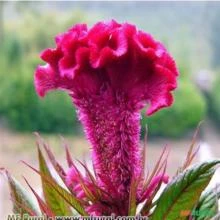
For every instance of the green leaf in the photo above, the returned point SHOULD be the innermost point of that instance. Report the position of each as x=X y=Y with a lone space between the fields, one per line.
x=43 y=206
x=207 y=206
x=182 y=193
x=22 y=203
x=52 y=158
x=68 y=197
x=54 y=201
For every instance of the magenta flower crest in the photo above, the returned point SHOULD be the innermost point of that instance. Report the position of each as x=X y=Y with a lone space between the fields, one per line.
x=111 y=71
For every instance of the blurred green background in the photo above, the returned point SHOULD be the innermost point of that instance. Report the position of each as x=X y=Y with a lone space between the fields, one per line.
x=190 y=30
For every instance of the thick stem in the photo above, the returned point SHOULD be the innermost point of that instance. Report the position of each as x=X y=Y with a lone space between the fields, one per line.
x=112 y=125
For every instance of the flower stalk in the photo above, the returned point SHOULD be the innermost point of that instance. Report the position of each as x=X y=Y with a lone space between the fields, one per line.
x=111 y=71
x=112 y=125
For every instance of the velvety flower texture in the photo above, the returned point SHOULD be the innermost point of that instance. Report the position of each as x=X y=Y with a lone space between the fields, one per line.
x=111 y=71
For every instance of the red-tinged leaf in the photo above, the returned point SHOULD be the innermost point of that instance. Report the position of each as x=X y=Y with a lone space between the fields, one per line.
x=52 y=158
x=54 y=162
x=43 y=206
x=88 y=173
x=51 y=196
x=159 y=165
x=144 y=152
x=69 y=198
x=58 y=168
x=191 y=152
x=87 y=191
x=69 y=158
x=22 y=203
x=149 y=203
x=183 y=192
x=148 y=190
x=132 y=197
x=27 y=210
x=98 y=190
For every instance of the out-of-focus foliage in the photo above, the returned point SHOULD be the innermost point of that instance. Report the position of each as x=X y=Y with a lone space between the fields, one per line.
x=32 y=27
x=213 y=25
x=188 y=109
x=214 y=100
x=27 y=112
x=20 y=107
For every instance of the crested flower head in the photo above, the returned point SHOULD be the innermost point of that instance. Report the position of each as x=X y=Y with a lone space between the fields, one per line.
x=129 y=61
x=111 y=71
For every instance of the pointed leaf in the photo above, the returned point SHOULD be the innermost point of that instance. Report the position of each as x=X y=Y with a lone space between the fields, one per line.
x=72 y=200
x=98 y=191
x=43 y=206
x=22 y=203
x=149 y=203
x=132 y=198
x=182 y=193
x=51 y=196
x=26 y=209
x=69 y=198
x=69 y=158
x=51 y=157
x=54 y=162
x=90 y=196
x=191 y=152
x=162 y=161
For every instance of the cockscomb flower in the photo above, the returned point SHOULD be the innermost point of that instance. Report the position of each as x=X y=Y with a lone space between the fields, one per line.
x=111 y=71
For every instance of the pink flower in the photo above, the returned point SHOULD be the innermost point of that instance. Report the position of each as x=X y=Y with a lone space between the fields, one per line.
x=111 y=71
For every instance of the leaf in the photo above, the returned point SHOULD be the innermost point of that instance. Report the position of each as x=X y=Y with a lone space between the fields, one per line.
x=68 y=155
x=72 y=200
x=207 y=206
x=51 y=196
x=182 y=193
x=149 y=203
x=144 y=150
x=26 y=209
x=191 y=152
x=69 y=198
x=162 y=161
x=58 y=168
x=132 y=198
x=43 y=206
x=216 y=217
x=90 y=196
x=53 y=161
x=97 y=190
x=22 y=203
